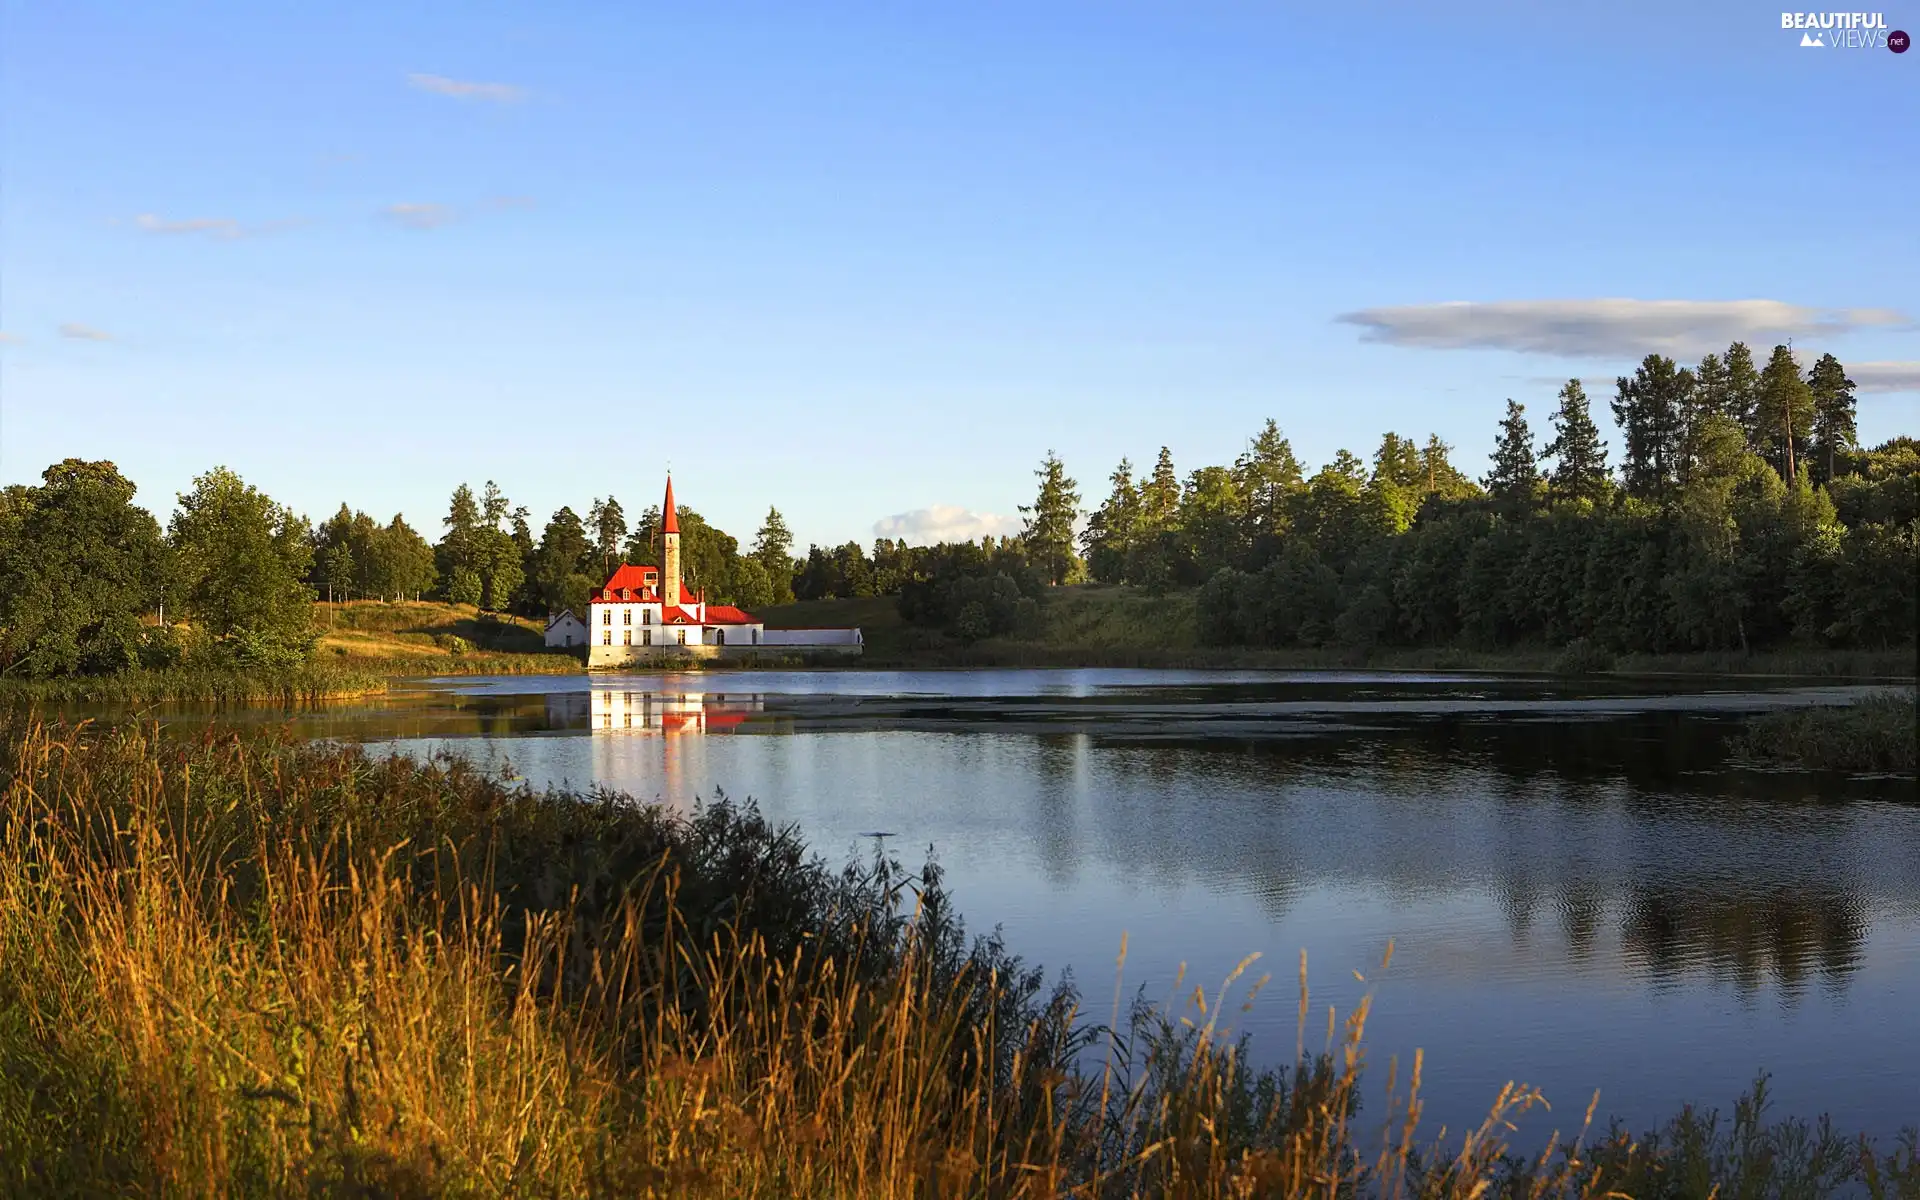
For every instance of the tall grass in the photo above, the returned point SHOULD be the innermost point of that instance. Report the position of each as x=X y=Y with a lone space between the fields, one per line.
x=214 y=685
x=1878 y=733
x=255 y=967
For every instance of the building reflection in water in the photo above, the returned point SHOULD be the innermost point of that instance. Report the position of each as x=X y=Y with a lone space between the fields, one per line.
x=627 y=710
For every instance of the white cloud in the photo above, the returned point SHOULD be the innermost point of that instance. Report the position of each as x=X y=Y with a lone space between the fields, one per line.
x=440 y=85
x=221 y=228
x=421 y=216
x=218 y=227
x=84 y=333
x=1885 y=376
x=944 y=523
x=1607 y=328
x=10 y=338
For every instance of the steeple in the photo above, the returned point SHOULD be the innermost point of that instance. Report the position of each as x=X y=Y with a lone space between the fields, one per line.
x=669 y=550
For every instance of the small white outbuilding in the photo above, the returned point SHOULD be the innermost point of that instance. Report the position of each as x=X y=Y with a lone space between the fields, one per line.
x=566 y=630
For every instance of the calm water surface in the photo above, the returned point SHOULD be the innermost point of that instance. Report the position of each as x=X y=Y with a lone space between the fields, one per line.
x=1583 y=890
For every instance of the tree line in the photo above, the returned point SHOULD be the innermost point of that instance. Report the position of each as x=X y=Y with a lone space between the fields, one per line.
x=91 y=583
x=1742 y=513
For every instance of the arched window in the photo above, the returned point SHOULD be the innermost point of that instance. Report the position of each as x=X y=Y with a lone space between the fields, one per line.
x=719 y=637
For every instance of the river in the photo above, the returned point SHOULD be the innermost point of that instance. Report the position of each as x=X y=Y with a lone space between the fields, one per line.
x=1583 y=889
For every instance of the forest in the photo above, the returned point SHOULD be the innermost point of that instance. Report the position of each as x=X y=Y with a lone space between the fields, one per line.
x=1741 y=513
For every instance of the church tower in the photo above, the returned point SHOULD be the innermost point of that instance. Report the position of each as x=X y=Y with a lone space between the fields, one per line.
x=669 y=550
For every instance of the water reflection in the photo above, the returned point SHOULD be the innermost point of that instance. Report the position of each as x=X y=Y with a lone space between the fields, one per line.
x=1585 y=889
x=623 y=710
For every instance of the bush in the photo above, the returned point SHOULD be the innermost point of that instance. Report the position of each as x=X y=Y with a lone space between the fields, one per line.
x=1582 y=657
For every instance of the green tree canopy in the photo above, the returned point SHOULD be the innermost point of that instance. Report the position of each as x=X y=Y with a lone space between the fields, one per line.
x=79 y=566
x=242 y=563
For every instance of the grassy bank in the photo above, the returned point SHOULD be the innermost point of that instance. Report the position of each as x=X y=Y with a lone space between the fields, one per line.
x=429 y=637
x=1128 y=627
x=257 y=967
x=1876 y=734
x=320 y=681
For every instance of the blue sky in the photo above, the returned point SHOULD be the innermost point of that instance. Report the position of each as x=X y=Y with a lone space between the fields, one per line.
x=869 y=263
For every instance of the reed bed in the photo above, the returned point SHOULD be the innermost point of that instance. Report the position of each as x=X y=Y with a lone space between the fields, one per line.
x=194 y=685
x=1877 y=733
x=248 y=966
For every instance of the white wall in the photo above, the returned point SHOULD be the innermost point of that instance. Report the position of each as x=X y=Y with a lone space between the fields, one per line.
x=811 y=637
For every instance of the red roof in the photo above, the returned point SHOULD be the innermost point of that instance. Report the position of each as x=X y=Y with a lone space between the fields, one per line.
x=669 y=517
x=727 y=614
x=677 y=616
x=631 y=578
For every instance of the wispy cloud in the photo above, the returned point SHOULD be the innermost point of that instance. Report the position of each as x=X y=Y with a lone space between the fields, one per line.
x=461 y=89
x=224 y=229
x=1885 y=376
x=420 y=216
x=84 y=333
x=944 y=523
x=10 y=338
x=1607 y=328
x=218 y=227
x=433 y=216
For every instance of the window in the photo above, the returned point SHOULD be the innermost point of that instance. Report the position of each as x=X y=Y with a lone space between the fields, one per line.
x=646 y=637
x=682 y=638
x=719 y=637
x=606 y=617
x=606 y=639
x=646 y=616
x=626 y=637
x=626 y=616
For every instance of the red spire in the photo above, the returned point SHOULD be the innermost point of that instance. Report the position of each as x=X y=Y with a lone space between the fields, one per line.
x=669 y=516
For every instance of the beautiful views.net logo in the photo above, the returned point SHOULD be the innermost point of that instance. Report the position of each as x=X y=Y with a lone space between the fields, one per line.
x=1845 y=31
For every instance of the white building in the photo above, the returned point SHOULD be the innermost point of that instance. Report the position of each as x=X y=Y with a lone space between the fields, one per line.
x=564 y=629
x=643 y=613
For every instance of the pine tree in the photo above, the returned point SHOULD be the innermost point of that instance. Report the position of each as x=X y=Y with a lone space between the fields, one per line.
x=494 y=505
x=1397 y=461
x=1651 y=409
x=1740 y=392
x=1515 y=478
x=773 y=550
x=1160 y=496
x=608 y=523
x=1580 y=457
x=1268 y=476
x=1113 y=528
x=1048 y=533
x=1834 y=408
x=1784 y=416
x=1439 y=476
x=459 y=545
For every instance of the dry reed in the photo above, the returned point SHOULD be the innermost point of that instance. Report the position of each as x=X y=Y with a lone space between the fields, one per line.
x=250 y=967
